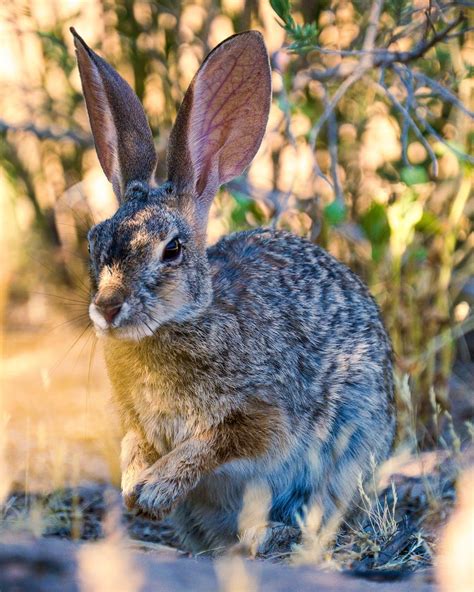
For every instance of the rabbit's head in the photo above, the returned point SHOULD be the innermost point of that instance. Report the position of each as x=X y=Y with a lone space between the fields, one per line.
x=148 y=262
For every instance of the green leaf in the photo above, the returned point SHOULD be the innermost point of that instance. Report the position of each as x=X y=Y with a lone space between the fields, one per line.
x=419 y=254
x=412 y=175
x=335 y=213
x=378 y=251
x=244 y=205
x=282 y=8
x=428 y=224
x=374 y=223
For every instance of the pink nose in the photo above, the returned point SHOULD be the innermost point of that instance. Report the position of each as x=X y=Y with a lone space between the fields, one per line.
x=109 y=306
x=110 y=312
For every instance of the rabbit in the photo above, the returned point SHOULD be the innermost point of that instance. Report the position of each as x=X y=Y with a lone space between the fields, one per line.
x=257 y=368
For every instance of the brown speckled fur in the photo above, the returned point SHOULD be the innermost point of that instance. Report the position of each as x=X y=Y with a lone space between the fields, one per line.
x=261 y=361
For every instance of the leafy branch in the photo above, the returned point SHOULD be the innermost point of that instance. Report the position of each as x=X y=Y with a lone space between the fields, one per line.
x=303 y=36
x=379 y=63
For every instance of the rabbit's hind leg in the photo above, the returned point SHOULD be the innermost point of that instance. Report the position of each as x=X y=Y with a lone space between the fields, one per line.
x=279 y=540
x=271 y=541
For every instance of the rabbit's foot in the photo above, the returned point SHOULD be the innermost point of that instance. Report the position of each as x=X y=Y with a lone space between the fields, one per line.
x=136 y=456
x=279 y=540
x=155 y=498
x=273 y=539
x=129 y=498
x=129 y=483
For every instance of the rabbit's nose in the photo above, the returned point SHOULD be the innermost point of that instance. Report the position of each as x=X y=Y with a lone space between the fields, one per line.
x=109 y=306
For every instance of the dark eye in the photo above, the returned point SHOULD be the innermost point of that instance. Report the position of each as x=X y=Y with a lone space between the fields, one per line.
x=172 y=250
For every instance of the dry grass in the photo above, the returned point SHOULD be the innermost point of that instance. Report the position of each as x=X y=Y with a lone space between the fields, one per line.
x=63 y=436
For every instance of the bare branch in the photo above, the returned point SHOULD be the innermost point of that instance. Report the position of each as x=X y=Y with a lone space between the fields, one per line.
x=48 y=134
x=443 y=92
x=461 y=155
x=408 y=83
x=331 y=105
x=372 y=28
x=396 y=103
x=403 y=57
x=332 y=143
x=381 y=57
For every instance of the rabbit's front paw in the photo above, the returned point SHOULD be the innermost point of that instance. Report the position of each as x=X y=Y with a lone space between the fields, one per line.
x=155 y=498
x=129 y=489
x=129 y=497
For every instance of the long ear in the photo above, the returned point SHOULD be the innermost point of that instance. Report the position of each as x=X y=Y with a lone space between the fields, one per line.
x=122 y=136
x=221 y=121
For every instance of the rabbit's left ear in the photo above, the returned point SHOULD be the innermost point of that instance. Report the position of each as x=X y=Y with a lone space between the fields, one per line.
x=122 y=136
x=221 y=121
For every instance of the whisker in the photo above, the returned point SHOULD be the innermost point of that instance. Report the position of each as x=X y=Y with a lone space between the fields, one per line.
x=63 y=298
x=81 y=285
x=74 y=254
x=82 y=348
x=91 y=357
x=81 y=217
x=68 y=322
x=61 y=360
x=85 y=287
x=89 y=372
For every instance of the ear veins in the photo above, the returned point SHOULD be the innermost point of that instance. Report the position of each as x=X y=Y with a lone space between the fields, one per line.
x=221 y=122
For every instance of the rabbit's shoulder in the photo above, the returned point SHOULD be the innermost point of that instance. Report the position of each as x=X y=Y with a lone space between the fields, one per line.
x=267 y=259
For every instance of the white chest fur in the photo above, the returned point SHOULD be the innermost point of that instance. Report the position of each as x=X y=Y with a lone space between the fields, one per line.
x=163 y=423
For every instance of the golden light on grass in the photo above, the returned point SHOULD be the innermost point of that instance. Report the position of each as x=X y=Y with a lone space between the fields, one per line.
x=455 y=566
x=233 y=575
x=253 y=518
x=5 y=471
x=108 y=565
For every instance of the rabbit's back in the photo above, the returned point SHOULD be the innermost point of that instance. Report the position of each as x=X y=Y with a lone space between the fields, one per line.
x=305 y=321
x=304 y=335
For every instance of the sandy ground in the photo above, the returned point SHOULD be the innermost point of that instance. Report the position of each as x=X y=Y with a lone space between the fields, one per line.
x=61 y=566
x=60 y=426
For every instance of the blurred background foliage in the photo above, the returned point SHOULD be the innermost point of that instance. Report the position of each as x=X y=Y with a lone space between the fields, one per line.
x=381 y=177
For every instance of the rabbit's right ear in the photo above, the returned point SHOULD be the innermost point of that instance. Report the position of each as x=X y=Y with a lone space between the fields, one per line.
x=122 y=136
x=221 y=122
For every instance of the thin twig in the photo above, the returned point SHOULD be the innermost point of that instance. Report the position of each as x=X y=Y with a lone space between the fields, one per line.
x=429 y=128
x=408 y=83
x=381 y=57
x=443 y=92
x=332 y=144
x=341 y=91
x=48 y=134
x=362 y=67
x=396 y=103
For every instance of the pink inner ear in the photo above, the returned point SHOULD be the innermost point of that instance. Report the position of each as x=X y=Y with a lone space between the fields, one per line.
x=231 y=100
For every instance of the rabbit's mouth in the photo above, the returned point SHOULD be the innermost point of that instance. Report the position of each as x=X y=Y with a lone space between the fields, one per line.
x=118 y=321
x=134 y=323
